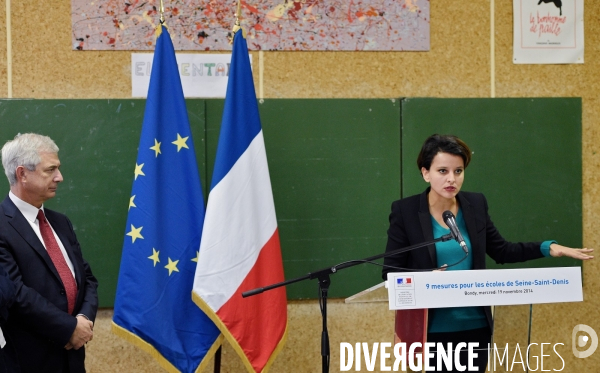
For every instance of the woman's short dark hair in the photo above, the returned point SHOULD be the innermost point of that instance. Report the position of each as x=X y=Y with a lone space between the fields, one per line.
x=442 y=144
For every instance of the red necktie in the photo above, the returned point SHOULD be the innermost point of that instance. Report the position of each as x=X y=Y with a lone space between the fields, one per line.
x=59 y=260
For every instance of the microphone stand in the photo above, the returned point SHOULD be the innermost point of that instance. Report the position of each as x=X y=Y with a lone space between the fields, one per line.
x=324 y=281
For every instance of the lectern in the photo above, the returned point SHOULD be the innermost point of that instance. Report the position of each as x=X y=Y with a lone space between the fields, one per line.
x=411 y=294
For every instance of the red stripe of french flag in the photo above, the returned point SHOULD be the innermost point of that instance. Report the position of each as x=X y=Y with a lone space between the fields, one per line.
x=263 y=312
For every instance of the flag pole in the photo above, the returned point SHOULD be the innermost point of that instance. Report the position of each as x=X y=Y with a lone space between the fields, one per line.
x=162 y=11
x=236 y=25
x=217 y=367
x=236 y=28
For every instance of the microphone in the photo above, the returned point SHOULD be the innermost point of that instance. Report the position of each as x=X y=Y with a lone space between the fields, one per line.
x=450 y=221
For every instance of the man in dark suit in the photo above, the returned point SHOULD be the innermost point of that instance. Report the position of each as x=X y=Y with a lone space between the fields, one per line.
x=56 y=298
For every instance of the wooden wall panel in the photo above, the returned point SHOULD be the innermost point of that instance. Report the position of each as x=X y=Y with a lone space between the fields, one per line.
x=45 y=66
x=3 y=86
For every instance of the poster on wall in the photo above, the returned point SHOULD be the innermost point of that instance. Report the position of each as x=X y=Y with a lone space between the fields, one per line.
x=202 y=75
x=548 y=31
x=203 y=25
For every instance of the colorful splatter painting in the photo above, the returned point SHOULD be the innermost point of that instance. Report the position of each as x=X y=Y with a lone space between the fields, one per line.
x=324 y=25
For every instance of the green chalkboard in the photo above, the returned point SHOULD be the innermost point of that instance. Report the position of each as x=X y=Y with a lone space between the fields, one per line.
x=526 y=160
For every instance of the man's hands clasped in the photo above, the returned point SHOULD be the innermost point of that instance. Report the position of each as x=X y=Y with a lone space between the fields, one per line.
x=83 y=333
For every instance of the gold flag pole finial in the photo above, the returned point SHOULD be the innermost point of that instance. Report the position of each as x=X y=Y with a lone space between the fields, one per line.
x=158 y=30
x=237 y=26
x=162 y=11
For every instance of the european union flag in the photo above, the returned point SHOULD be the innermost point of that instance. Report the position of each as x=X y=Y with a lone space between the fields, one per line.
x=153 y=307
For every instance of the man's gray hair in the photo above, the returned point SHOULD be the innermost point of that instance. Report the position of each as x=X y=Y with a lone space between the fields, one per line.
x=24 y=151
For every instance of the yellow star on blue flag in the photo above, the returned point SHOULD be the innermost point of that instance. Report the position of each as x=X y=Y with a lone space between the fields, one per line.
x=153 y=305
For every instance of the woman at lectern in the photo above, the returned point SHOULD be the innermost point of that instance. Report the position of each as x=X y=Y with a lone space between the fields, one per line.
x=417 y=219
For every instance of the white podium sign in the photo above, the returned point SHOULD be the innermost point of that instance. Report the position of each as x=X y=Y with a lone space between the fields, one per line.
x=411 y=290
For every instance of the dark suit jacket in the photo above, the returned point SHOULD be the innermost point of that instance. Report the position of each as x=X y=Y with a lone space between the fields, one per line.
x=7 y=297
x=410 y=224
x=39 y=325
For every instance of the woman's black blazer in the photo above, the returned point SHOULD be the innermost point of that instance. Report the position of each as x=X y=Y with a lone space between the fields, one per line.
x=410 y=224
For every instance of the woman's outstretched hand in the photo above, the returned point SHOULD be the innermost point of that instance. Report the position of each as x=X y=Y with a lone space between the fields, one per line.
x=557 y=250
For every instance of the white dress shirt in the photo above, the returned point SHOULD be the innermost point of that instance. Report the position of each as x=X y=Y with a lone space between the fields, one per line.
x=30 y=213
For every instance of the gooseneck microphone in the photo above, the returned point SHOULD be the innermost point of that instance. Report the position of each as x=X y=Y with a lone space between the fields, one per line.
x=450 y=221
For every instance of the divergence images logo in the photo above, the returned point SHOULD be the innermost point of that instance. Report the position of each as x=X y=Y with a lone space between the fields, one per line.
x=582 y=340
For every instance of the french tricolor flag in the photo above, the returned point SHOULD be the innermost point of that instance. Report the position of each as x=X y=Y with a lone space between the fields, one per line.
x=240 y=249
